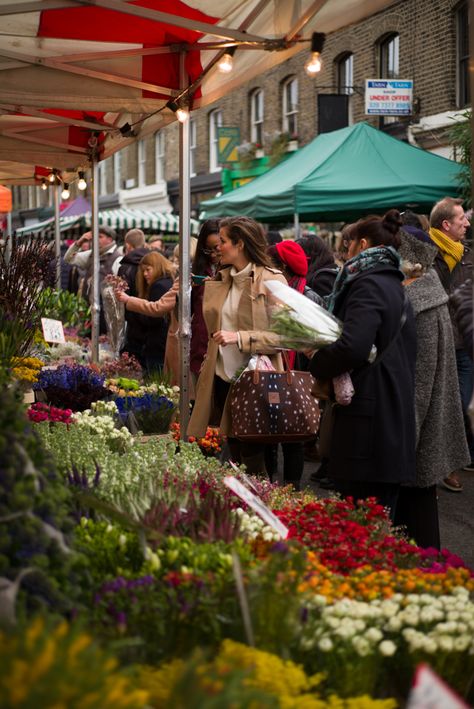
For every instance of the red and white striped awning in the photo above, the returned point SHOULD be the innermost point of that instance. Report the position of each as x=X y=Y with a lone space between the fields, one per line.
x=70 y=69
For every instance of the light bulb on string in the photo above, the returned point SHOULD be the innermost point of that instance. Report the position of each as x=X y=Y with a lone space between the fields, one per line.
x=226 y=62
x=52 y=176
x=65 y=194
x=44 y=186
x=314 y=63
x=180 y=112
x=82 y=184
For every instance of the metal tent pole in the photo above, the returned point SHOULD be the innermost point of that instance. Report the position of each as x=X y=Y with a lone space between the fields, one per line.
x=184 y=303
x=9 y=238
x=296 y=220
x=95 y=305
x=57 y=234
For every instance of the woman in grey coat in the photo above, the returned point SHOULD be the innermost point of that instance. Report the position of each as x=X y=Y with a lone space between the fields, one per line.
x=441 y=439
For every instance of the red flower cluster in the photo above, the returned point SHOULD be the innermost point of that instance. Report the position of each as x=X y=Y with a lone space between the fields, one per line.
x=42 y=412
x=211 y=444
x=347 y=536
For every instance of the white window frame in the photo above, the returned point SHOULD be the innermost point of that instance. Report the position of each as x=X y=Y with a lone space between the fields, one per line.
x=141 y=159
x=389 y=66
x=290 y=100
x=192 y=147
x=345 y=81
x=159 y=157
x=256 y=117
x=117 y=171
x=215 y=120
x=102 y=177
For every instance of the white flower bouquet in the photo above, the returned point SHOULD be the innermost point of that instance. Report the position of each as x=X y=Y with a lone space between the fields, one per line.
x=304 y=325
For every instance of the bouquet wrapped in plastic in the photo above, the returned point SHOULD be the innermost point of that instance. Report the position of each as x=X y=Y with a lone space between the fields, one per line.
x=114 y=311
x=304 y=325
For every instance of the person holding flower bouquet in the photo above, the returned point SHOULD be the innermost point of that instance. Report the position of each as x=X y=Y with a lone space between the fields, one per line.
x=372 y=450
x=235 y=312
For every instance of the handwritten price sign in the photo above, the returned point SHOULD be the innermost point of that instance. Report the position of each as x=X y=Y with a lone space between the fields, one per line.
x=53 y=331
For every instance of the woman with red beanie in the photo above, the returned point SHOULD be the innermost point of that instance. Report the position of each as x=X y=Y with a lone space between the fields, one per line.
x=290 y=258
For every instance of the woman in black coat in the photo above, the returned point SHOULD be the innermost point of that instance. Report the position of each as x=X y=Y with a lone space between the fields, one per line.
x=373 y=441
x=154 y=279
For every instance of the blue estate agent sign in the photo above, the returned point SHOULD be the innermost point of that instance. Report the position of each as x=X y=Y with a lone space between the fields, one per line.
x=388 y=97
x=228 y=139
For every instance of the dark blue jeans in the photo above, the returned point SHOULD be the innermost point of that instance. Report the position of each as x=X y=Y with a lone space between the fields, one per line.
x=465 y=377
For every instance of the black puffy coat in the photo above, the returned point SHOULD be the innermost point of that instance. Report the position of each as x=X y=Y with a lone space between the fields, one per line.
x=460 y=308
x=135 y=337
x=374 y=438
x=156 y=329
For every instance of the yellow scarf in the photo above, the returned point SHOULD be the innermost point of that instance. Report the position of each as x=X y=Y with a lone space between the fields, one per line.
x=452 y=251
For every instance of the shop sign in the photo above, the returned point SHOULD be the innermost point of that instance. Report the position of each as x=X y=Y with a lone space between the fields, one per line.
x=228 y=139
x=388 y=97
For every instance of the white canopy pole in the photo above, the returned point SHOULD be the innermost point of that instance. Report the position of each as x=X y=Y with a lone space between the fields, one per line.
x=95 y=305
x=8 y=238
x=184 y=305
x=57 y=234
x=296 y=221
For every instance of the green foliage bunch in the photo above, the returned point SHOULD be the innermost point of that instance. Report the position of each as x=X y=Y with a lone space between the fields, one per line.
x=71 y=309
x=460 y=136
x=37 y=564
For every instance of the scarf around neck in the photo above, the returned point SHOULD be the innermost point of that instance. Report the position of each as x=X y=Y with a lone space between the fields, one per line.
x=451 y=251
x=365 y=261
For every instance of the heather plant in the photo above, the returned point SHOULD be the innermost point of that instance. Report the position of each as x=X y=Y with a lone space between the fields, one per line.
x=21 y=282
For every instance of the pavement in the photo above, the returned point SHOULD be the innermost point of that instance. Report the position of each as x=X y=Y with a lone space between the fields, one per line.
x=456 y=512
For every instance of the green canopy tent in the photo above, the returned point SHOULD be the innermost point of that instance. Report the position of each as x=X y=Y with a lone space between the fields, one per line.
x=341 y=176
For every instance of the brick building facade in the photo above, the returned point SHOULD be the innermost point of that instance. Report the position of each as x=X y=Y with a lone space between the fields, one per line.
x=412 y=39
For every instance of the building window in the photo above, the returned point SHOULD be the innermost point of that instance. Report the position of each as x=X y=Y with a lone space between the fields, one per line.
x=102 y=178
x=192 y=147
x=462 y=54
x=390 y=57
x=389 y=67
x=290 y=107
x=215 y=120
x=345 y=81
x=117 y=171
x=159 y=157
x=141 y=163
x=256 y=117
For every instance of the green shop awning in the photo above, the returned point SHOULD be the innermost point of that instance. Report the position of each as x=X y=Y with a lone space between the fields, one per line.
x=341 y=176
x=121 y=219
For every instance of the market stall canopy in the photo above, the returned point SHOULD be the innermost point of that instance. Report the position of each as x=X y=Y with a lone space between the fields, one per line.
x=119 y=219
x=341 y=176
x=72 y=69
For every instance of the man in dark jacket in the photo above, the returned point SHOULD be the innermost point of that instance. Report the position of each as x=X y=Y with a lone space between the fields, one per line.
x=448 y=225
x=134 y=250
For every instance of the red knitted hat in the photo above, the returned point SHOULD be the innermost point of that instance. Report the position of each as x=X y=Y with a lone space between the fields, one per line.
x=293 y=256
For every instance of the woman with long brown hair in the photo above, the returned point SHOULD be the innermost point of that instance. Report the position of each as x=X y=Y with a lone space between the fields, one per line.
x=235 y=313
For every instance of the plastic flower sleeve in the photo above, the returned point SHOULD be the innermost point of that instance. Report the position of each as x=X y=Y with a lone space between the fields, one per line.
x=114 y=313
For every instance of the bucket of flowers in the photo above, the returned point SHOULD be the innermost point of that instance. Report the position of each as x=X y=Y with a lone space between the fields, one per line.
x=70 y=387
x=151 y=413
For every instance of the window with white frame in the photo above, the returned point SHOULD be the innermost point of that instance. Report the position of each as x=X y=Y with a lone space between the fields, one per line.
x=159 y=156
x=192 y=147
x=462 y=55
x=141 y=163
x=345 y=80
x=117 y=171
x=290 y=106
x=389 y=66
x=215 y=120
x=102 y=178
x=256 y=117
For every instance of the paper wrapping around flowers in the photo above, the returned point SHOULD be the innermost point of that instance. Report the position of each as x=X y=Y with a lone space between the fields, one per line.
x=114 y=313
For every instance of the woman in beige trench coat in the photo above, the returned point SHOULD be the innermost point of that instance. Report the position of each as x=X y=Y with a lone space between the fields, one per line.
x=235 y=312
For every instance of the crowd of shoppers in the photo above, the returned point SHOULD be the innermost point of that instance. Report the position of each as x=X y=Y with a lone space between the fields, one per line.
x=394 y=284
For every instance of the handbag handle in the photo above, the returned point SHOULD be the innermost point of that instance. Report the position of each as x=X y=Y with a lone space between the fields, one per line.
x=289 y=373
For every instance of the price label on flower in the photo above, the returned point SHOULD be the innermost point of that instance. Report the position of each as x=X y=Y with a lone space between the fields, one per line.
x=53 y=331
x=256 y=504
x=244 y=477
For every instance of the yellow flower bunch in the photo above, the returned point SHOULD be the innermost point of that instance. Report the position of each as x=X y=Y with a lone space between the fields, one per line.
x=26 y=368
x=60 y=666
x=234 y=674
x=367 y=584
